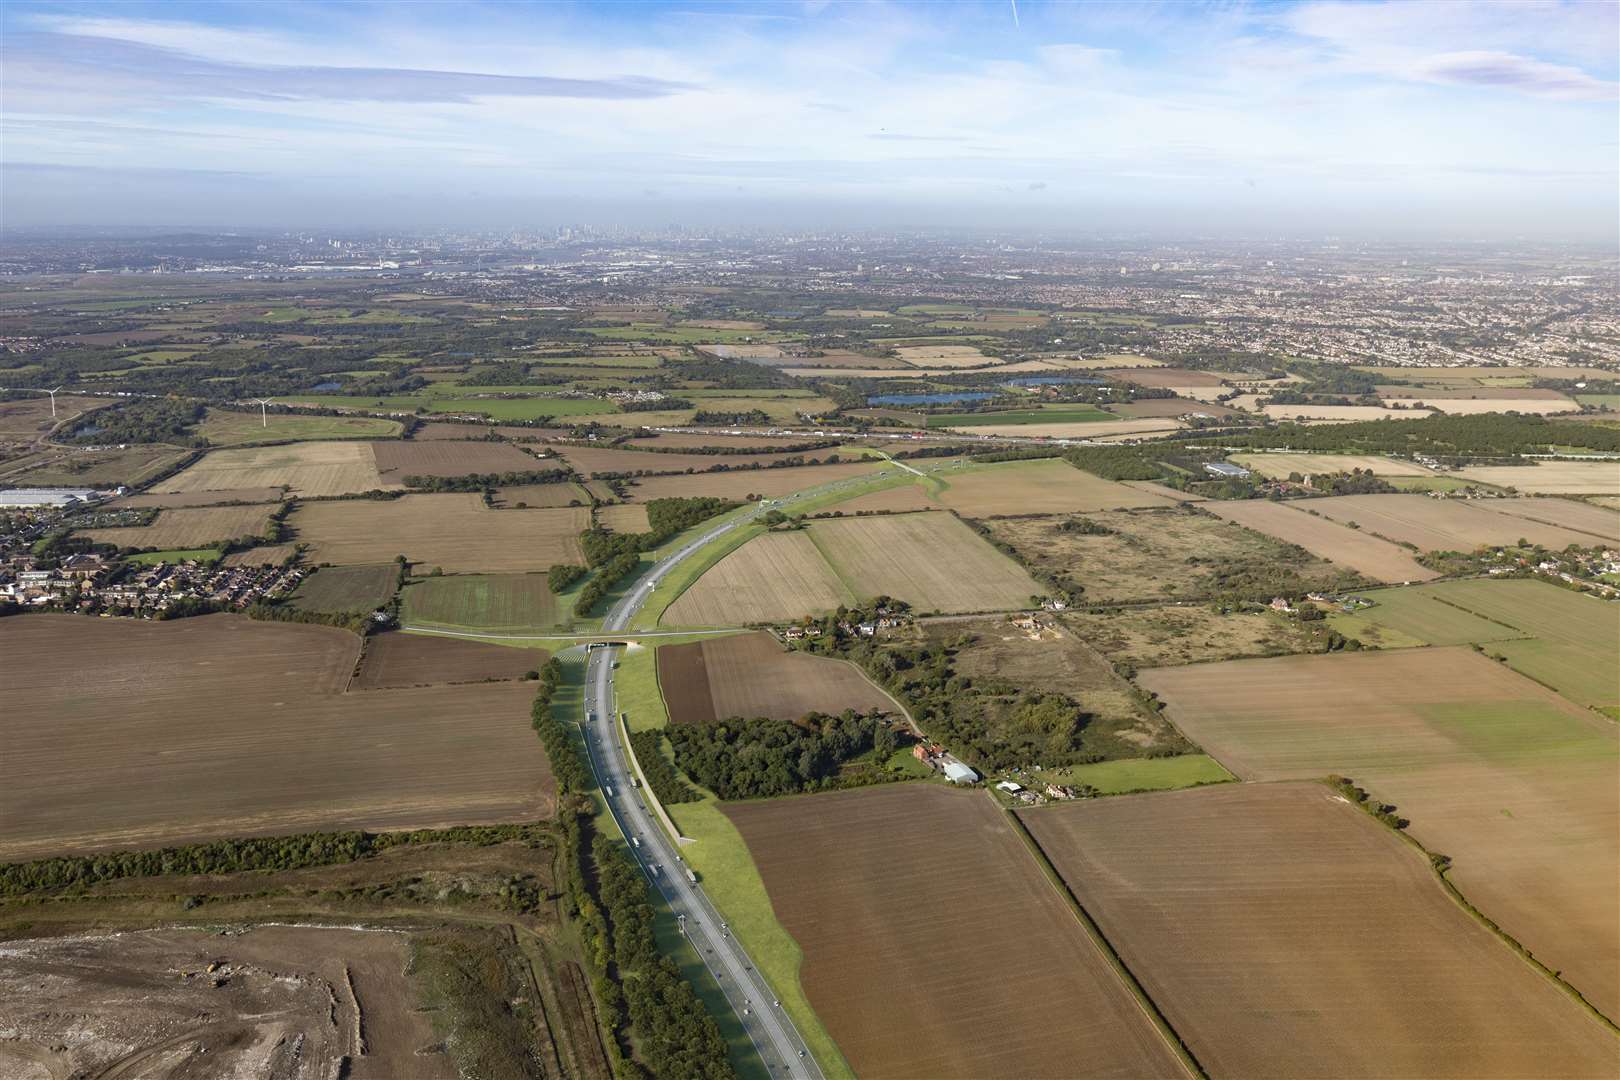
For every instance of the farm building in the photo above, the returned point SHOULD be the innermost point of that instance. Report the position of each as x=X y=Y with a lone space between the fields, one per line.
x=1226 y=471
x=958 y=773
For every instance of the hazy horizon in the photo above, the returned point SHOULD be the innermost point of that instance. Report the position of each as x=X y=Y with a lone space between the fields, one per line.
x=1385 y=121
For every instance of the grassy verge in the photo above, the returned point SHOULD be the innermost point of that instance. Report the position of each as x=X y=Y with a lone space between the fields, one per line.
x=1143 y=774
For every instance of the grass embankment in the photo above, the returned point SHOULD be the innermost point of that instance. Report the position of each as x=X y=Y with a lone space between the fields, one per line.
x=1143 y=774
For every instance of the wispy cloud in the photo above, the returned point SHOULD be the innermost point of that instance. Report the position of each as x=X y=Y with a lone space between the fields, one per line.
x=1521 y=73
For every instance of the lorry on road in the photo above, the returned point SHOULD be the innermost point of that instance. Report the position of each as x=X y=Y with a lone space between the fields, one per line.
x=691 y=876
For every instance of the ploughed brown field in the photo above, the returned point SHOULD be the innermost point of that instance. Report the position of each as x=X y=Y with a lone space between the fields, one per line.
x=221 y=726
x=397 y=659
x=397 y=459
x=310 y=469
x=540 y=495
x=455 y=531
x=751 y=675
x=1377 y=559
x=623 y=518
x=191 y=527
x=1037 y=487
x=1513 y=782
x=1285 y=932
x=933 y=944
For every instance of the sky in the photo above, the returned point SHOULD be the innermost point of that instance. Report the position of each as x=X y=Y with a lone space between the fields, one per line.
x=1442 y=119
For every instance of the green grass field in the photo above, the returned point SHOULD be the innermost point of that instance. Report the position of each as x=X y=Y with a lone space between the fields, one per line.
x=222 y=428
x=1557 y=637
x=1611 y=400
x=1057 y=414
x=493 y=603
x=1143 y=774
x=682 y=335
x=202 y=555
x=347 y=588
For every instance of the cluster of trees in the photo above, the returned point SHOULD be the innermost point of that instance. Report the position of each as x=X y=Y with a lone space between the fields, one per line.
x=166 y=421
x=1083 y=526
x=665 y=518
x=665 y=402
x=1383 y=811
x=745 y=759
x=665 y=782
x=1489 y=434
x=562 y=575
x=739 y=417
x=675 y=1035
x=566 y=768
x=1117 y=462
x=485 y=481
x=1354 y=482
x=988 y=722
x=608 y=574
x=235 y=856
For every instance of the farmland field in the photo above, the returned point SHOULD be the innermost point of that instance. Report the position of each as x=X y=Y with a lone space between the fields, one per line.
x=347 y=588
x=1278 y=466
x=1048 y=486
x=266 y=555
x=1220 y=901
x=1505 y=401
x=396 y=659
x=399 y=459
x=1551 y=477
x=454 y=531
x=623 y=518
x=1341 y=413
x=966 y=941
x=145 y=755
x=1075 y=414
x=1443 y=524
x=1095 y=429
x=224 y=428
x=932 y=561
x=1142 y=774
x=1511 y=781
x=312 y=469
x=1560 y=638
x=751 y=675
x=1598 y=522
x=739 y=484
x=189 y=528
x=1377 y=559
x=29 y=417
x=944 y=356
x=777 y=577
x=498 y=603
x=1160 y=554
x=541 y=495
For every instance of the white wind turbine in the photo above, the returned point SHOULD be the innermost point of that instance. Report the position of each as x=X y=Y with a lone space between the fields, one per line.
x=42 y=390
x=264 y=410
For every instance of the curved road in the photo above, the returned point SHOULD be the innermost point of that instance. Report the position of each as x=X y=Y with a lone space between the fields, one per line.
x=777 y=1040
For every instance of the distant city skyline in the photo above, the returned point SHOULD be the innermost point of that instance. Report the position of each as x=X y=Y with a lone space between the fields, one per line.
x=1380 y=119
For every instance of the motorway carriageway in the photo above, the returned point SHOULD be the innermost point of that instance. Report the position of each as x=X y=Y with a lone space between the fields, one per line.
x=778 y=1042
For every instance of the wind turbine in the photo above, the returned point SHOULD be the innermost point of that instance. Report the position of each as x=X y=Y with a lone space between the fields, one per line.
x=264 y=410
x=42 y=390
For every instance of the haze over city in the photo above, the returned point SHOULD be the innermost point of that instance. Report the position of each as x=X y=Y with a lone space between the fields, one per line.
x=1441 y=120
